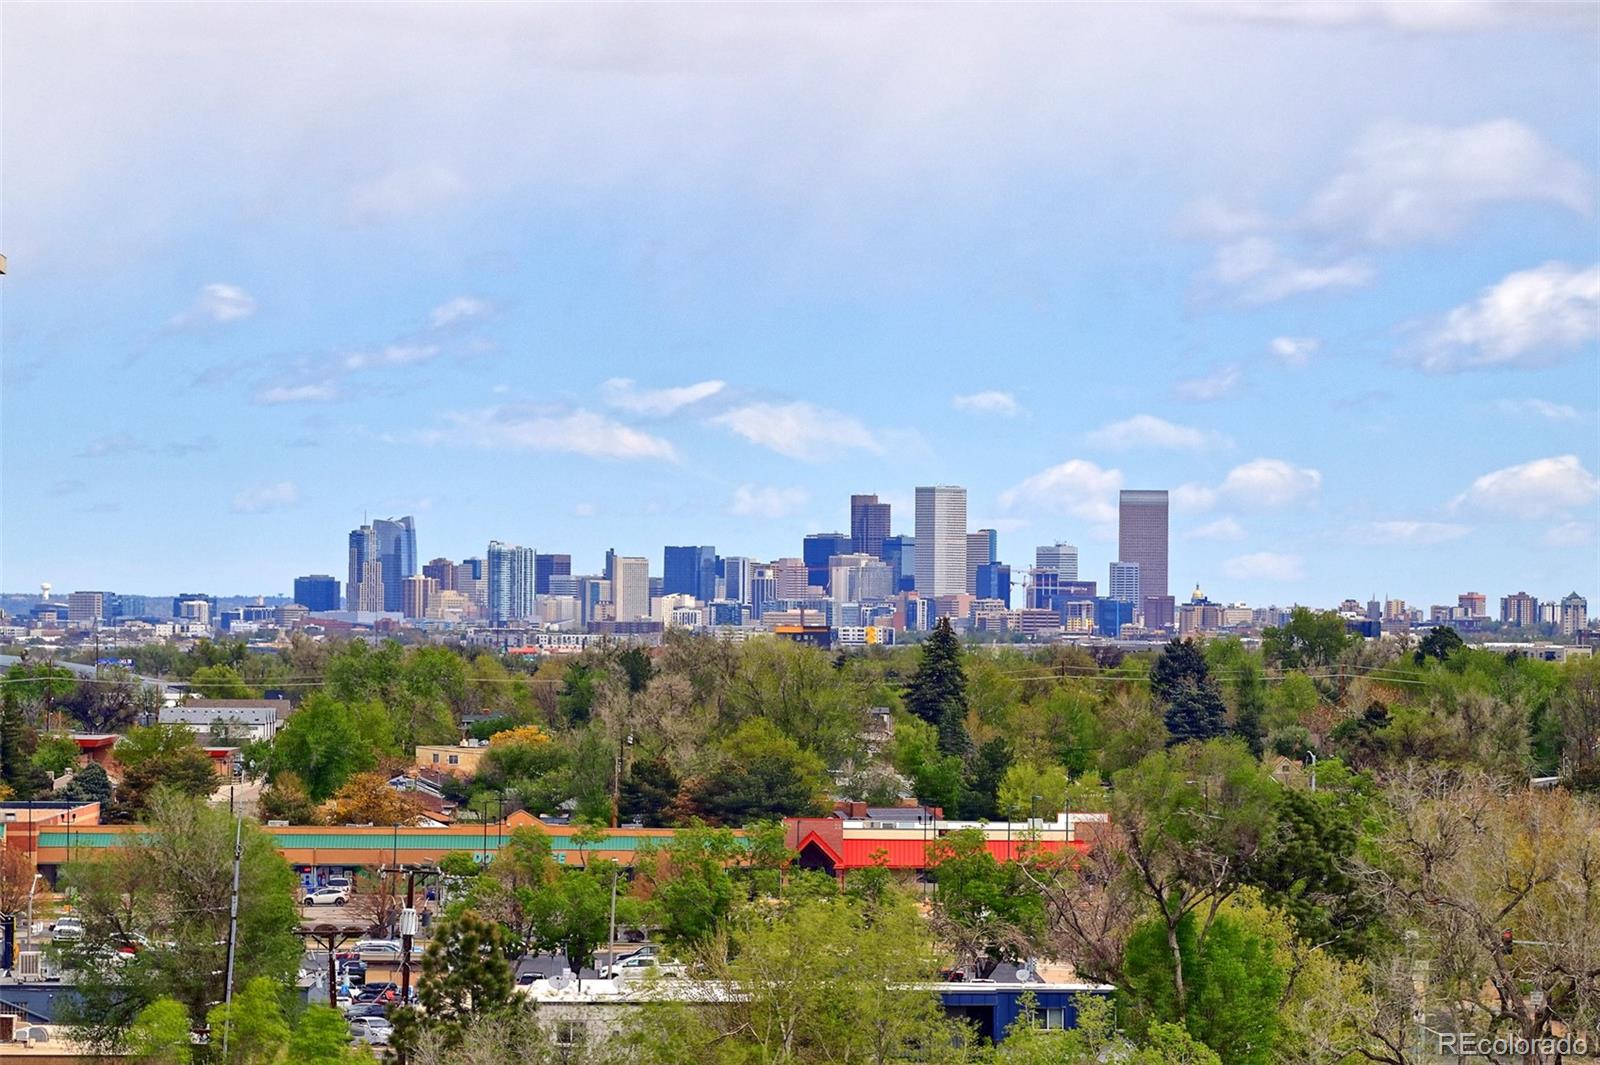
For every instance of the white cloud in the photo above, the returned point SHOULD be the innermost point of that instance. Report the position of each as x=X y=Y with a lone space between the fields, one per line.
x=1412 y=532
x=1432 y=16
x=216 y=304
x=578 y=432
x=1531 y=318
x=1294 y=351
x=1265 y=566
x=393 y=355
x=402 y=192
x=1534 y=489
x=751 y=501
x=265 y=497
x=1075 y=487
x=1221 y=529
x=799 y=430
x=1259 y=272
x=460 y=309
x=1538 y=408
x=1406 y=183
x=585 y=510
x=317 y=392
x=1261 y=484
x=622 y=393
x=1002 y=403
x=1146 y=430
x=1569 y=534
x=1213 y=386
x=1213 y=219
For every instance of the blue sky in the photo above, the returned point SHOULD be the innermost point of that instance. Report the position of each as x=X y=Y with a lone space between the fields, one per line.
x=579 y=277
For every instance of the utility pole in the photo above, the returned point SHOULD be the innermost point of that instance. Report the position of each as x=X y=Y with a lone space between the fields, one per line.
x=233 y=935
x=611 y=937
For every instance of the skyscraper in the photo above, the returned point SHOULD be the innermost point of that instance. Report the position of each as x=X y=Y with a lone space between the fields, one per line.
x=547 y=566
x=735 y=572
x=817 y=549
x=994 y=582
x=418 y=593
x=443 y=571
x=630 y=585
x=982 y=547
x=901 y=554
x=690 y=571
x=941 y=540
x=510 y=578
x=363 y=550
x=1142 y=538
x=1520 y=610
x=869 y=525
x=318 y=591
x=1124 y=582
x=397 y=550
x=1057 y=558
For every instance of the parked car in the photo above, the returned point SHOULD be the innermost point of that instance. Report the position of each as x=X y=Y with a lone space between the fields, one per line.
x=641 y=965
x=67 y=930
x=378 y=948
x=366 y=1009
x=327 y=896
x=374 y=1031
x=380 y=992
x=529 y=978
x=340 y=882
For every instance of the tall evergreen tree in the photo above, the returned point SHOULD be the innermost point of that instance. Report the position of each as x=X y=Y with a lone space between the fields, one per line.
x=1193 y=705
x=937 y=692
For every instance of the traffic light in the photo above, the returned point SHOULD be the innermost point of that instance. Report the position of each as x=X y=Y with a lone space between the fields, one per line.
x=1506 y=942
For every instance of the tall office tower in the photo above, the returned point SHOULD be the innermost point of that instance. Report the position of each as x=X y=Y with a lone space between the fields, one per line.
x=86 y=608
x=1142 y=538
x=318 y=591
x=1057 y=558
x=369 y=589
x=982 y=549
x=901 y=554
x=1574 y=614
x=817 y=549
x=792 y=577
x=594 y=599
x=941 y=540
x=859 y=578
x=1124 y=582
x=690 y=571
x=509 y=571
x=869 y=525
x=443 y=571
x=547 y=566
x=994 y=582
x=630 y=585
x=472 y=581
x=1473 y=604
x=763 y=588
x=735 y=573
x=397 y=550
x=417 y=595
x=1520 y=610
x=363 y=549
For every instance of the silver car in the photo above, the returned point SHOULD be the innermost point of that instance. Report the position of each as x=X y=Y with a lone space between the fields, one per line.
x=374 y=1031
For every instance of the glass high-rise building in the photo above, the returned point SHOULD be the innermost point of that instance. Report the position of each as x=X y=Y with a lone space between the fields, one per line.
x=690 y=570
x=510 y=571
x=901 y=554
x=869 y=525
x=363 y=553
x=1124 y=583
x=941 y=540
x=547 y=566
x=1142 y=538
x=817 y=549
x=1057 y=558
x=983 y=548
x=318 y=591
x=994 y=582
x=397 y=551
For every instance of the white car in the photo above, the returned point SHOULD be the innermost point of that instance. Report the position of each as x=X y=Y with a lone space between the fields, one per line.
x=375 y=1031
x=67 y=930
x=641 y=965
x=327 y=896
x=380 y=948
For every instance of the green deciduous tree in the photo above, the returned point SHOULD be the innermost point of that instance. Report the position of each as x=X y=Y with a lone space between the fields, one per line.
x=220 y=682
x=159 y=1034
x=255 y=1026
x=691 y=889
x=985 y=909
x=162 y=756
x=325 y=741
x=761 y=773
x=1309 y=638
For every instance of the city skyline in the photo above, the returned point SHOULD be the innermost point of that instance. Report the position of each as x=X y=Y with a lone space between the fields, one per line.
x=1351 y=331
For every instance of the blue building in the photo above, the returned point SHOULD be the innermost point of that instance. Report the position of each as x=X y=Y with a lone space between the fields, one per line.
x=690 y=571
x=397 y=550
x=815 y=552
x=1110 y=615
x=318 y=591
x=547 y=566
x=994 y=582
x=901 y=554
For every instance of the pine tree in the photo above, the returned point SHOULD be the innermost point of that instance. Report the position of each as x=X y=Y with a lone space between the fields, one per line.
x=1194 y=708
x=938 y=690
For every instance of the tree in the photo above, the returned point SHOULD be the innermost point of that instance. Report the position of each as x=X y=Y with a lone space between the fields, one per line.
x=1181 y=681
x=761 y=773
x=1441 y=642
x=221 y=682
x=1035 y=791
x=570 y=915
x=321 y=1037
x=1309 y=638
x=1193 y=818
x=159 y=1034
x=985 y=909
x=110 y=702
x=937 y=691
x=367 y=799
x=1095 y=1040
x=89 y=784
x=254 y=1022
x=55 y=754
x=162 y=756
x=286 y=799
x=325 y=741
x=688 y=883
x=466 y=977
x=36 y=687
x=649 y=791
x=171 y=884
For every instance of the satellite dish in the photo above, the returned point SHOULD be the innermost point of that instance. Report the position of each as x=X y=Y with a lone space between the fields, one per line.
x=561 y=981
